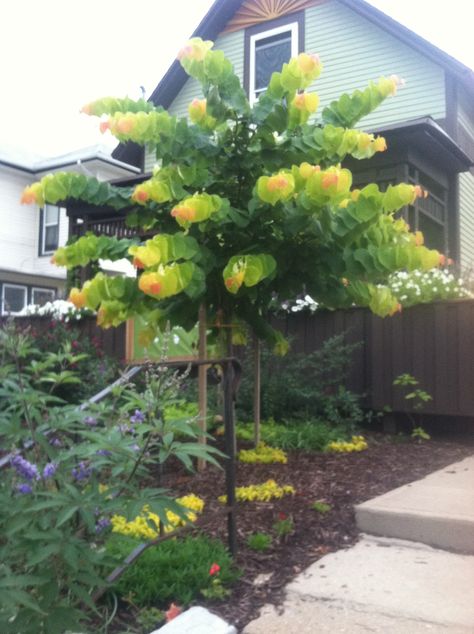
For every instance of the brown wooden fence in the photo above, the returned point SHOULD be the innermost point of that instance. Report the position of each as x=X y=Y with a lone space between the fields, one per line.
x=112 y=341
x=433 y=342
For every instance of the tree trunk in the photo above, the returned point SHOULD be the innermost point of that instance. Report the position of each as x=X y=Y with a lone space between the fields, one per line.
x=202 y=380
x=256 y=389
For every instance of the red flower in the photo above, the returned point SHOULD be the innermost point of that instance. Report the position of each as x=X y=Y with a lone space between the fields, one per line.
x=282 y=516
x=173 y=611
x=215 y=568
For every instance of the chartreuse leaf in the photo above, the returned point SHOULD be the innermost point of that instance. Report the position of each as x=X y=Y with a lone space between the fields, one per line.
x=167 y=280
x=378 y=298
x=248 y=270
x=90 y=248
x=339 y=142
x=349 y=109
x=58 y=187
x=197 y=208
x=111 y=105
x=163 y=248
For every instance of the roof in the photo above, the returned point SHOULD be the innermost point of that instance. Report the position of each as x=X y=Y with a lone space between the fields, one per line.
x=34 y=164
x=430 y=139
x=222 y=11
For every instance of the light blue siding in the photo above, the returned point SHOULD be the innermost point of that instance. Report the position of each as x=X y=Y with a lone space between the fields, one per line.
x=354 y=51
x=233 y=46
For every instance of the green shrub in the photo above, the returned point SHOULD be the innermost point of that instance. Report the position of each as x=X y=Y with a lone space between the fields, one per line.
x=259 y=541
x=75 y=352
x=71 y=471
x=302 y=386
x=176 y=570
x=311 y=435
x=321 y=507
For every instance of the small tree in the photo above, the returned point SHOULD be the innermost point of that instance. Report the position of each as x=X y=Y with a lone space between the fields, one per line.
x=246 y=203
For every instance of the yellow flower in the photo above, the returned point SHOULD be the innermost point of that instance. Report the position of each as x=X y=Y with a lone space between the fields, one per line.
x=265 y=492
x=147 y=525
x=263 y=454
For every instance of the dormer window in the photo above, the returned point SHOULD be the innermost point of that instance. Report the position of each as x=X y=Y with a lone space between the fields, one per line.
x=268 y=47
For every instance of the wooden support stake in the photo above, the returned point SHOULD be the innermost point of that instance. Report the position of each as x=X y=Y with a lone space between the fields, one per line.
x=202 y=380
x=256 y=389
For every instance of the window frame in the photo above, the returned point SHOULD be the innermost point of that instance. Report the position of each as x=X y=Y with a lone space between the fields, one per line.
x=5 y=285
x=43 y=225
x=42 y=289
x=29 y=288
x=293 y=22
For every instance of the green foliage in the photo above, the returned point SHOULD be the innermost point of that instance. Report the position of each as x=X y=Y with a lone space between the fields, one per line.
x=259 y=190
x=419 y=433
x=311 y=435
x=302 y=386
x=150 y=618
x=58 y=357
x=321 y=507
x=418 y=396
x=259 y=541
x=284 y=526
x=175 y=570
x=72 y=471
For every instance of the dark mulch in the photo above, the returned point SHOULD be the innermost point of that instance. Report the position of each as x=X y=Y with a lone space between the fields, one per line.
x=341 y=480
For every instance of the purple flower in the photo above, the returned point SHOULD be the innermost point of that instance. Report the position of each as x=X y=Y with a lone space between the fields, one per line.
x=24 y=489
x=103 y=452
x=90 y=420
x=24 y=468
x=135 y=447
x=138 y=417
x=102 y=524
x=55 y=442
x=81 y=472
x=124 y=429
x=49 y=470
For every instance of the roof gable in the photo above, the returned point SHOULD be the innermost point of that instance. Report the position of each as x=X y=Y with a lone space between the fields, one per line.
x=232 y=15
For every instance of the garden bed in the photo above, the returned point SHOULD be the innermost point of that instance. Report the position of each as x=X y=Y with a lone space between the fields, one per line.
x=340 y=480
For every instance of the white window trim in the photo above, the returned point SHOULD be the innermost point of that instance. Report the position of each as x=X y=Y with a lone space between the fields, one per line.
x=291 y=27
x=42 y=290
x=5 y=285
x=43 y=229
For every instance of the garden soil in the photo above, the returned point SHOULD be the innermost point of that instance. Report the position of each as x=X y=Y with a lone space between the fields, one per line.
x=340 y=480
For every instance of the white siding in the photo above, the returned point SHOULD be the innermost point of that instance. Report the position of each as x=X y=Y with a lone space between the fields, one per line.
x=20 y=228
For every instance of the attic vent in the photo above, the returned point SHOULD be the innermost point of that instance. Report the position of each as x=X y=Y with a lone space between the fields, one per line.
x=256 y=11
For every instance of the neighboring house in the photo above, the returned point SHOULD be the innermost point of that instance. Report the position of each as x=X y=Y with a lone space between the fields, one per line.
x=29 y=235
x=429 y=126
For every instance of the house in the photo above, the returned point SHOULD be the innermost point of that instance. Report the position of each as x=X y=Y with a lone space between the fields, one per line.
x=429 y=126
x=29 y=235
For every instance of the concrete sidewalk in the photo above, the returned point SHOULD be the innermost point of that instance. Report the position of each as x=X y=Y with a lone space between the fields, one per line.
x=387 y=585
x=437 y=510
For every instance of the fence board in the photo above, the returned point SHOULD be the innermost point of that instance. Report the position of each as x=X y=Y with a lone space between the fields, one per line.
x=434 y=342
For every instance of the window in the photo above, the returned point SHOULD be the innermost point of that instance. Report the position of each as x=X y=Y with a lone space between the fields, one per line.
x=429 y=215
x=40 y=296
x=49 y=238
x=269 y=50
x=14 y=298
